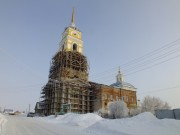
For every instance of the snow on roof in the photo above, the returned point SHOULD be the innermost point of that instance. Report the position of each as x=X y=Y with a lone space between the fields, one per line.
x=123 y=85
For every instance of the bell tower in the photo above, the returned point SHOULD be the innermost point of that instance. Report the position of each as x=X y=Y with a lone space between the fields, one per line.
x=71 y=38
x=69 y=62
x=67 y=89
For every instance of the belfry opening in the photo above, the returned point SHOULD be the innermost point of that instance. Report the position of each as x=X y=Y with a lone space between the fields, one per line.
x=75 y=47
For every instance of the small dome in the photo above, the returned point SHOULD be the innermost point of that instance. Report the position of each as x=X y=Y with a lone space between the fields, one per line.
x=120 y=83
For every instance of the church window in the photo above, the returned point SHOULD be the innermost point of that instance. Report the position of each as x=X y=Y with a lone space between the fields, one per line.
x=74 y=47
x=105 y=96
x=111 y=97
x=117 y=98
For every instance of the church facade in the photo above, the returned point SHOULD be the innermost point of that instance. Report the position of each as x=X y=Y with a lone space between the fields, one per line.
x=68 y=88
x=120 y=90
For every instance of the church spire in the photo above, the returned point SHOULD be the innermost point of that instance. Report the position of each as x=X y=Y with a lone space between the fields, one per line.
x=73 y=19
x=120 y=77
x=119 y=71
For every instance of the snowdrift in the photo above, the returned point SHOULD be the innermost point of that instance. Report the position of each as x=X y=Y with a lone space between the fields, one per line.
x=142 y=124
x=145 y=124
x=83 y=120
x=2 y=121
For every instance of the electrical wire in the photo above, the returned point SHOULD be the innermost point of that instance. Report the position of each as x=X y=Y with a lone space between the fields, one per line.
x=160 y=90
x=149 y=54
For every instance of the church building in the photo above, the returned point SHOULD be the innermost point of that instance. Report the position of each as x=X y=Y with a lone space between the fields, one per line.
x=120 y=90
x=68 y=88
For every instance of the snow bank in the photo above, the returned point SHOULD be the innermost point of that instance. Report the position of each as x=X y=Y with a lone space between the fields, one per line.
x=2 y=119
x=2 y=123
x=50 y=117
x=146 y=116
x=142 y=124
x=145 y=124
x=83 y=120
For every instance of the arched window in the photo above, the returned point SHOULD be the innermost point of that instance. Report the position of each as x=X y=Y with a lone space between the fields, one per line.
x=74 y=47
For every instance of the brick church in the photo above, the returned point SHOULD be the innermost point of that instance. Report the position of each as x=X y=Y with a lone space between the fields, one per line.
x=68 y=88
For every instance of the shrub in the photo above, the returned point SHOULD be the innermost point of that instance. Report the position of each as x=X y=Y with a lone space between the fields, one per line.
x=117 y=109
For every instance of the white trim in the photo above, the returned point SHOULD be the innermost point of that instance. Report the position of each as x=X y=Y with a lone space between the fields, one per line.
x=74 y=38
x=125 y=88
x=111 y=97
x=105 y=96
x=60 y=44
x=117 y=98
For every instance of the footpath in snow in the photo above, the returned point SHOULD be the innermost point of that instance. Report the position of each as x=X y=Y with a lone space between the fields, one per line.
x=145 y=124
x=2 y=124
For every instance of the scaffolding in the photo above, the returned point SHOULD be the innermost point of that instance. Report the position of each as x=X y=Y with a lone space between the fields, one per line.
x=74 y=92
x=65 y=65
x=68 y=88
x=67 y=85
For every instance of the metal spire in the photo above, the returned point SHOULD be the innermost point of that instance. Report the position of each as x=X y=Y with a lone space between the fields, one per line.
x=73 y=19
x=119 y=70
x=120 y=77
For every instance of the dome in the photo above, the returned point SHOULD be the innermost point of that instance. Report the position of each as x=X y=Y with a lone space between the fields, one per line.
x=120 y=83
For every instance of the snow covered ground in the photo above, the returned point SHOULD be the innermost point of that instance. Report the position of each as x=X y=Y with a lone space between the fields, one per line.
x=90 y=124
x=145 y=123
x=2 y=123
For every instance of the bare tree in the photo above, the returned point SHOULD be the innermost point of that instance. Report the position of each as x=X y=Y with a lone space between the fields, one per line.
x=150 y=104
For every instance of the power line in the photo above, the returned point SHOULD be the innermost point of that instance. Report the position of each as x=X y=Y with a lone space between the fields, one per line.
x=133 y=61
x=166 y=46
x=137 y=60
x=19 y=61
x=145 y=62
x=104 y=71
x=146 y=67
x=155 y=59
x=19 y=87
x=159 y=90
x=19 y=90
x=154 y=65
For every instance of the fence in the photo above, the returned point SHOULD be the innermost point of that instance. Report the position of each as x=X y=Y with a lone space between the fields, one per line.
x=169 y=114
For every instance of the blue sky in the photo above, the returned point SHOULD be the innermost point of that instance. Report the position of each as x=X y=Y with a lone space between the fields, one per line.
x=114 y=33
